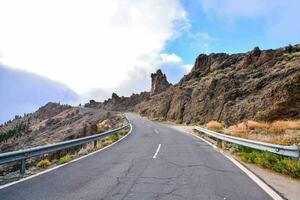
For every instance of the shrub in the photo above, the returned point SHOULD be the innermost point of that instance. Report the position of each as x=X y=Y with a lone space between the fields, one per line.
x=292 y=167
x=113 y=137
x=281 y=126
x=289 y=48
x=215 y=126
x=248 y=157
x=15 y=132
x=271 y=161
x=64 y=159
x=43 y=163
x=54 y=161
x=179 y=121
x=123 y=132
x=257 y=125
x=239 y=129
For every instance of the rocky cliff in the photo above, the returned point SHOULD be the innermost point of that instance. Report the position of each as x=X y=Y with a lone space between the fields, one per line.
x=261 y=85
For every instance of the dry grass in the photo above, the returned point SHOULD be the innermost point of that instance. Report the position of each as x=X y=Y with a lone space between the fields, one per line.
x=256 y=125
x=281 y=126
x=215 y=126
x=245 y=127
x=179 y=121
x=239 y=129
x=277 y=132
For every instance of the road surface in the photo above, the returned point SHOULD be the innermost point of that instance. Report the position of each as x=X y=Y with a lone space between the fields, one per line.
x=154 y=162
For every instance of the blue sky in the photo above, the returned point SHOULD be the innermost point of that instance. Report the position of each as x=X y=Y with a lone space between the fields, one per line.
x=241 y=26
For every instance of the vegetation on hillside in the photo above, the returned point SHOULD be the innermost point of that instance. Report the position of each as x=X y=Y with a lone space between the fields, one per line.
x=271 y=161
x=278 y=132
x=215 y=126
x=15 y=132
x=43 y=163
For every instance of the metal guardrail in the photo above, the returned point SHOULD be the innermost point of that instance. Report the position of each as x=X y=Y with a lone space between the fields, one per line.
x=22 y=155
x=290 y=151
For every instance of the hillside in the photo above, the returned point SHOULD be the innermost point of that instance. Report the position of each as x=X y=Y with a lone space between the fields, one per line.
x=260 y=85
x=53 y=123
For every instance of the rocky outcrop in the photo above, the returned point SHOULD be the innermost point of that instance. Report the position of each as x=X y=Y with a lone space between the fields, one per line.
x=50 y=109
x=260 y=85
x=159 y=83
x=116 y=103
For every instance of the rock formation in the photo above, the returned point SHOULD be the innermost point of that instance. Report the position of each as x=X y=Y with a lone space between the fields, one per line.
x=159 y=83
x=116 y=103
x=260 y=85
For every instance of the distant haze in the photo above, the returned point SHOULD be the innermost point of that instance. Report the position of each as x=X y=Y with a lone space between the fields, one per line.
x=23 y=92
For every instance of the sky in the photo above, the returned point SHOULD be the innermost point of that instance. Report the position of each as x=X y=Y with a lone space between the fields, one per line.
x=99 y=47
x=24 y=92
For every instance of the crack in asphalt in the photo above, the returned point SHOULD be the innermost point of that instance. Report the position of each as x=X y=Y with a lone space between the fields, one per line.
x=115 y=189
x=134 y=182
x=196 y=165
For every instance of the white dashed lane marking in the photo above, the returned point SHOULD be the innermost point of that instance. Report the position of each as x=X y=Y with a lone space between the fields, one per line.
x=157 y=150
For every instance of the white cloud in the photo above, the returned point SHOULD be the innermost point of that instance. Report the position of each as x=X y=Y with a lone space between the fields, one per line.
x=188 y=67
x=173 y=58
x=280 y=18
x=88 y=44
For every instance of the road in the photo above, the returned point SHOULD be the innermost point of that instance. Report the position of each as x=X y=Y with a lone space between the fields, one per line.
x=154 y=162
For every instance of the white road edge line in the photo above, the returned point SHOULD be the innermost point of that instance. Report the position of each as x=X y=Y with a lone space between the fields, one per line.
x=207 y=142
x=157 y=150
x=59 y=166
x=156 y=131
x=250 y=174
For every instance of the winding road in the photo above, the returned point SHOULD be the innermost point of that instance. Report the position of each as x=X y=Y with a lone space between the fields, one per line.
x=153 y=162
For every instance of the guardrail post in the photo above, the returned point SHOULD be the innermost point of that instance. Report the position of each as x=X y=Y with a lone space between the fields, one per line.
x=95 y=144
x=23 y=165
x=223 y=144
x=219 y=143
x=298 y=151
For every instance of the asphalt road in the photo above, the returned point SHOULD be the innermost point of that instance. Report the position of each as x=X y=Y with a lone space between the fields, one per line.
x=154 y=162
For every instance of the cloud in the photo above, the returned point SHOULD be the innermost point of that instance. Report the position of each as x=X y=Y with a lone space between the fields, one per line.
x=173 y=58
x=173 y=66
x=188 y=67
x=88 y=45
x=139 y=77
x=23 y=92
x=280 y=18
